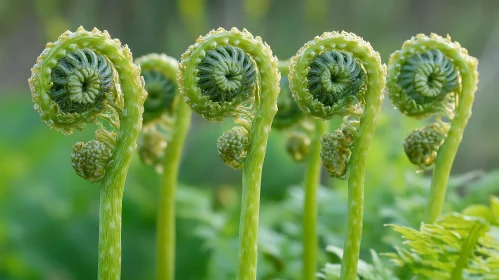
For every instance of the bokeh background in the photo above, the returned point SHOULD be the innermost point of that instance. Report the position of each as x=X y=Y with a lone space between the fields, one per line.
x=49 y=215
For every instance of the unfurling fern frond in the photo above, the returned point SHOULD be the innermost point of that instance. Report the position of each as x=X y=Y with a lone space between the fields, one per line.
x=434 y=76
x=231 y=73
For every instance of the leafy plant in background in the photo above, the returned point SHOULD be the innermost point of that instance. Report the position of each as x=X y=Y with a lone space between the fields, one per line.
x=340 y=74
x=233 y=74
x=166 y=123
x=87 y=77
x=280 y=238
x=457 y=246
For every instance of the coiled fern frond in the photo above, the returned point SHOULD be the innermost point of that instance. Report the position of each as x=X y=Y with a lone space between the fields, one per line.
x=88 y=77
x=434 y=76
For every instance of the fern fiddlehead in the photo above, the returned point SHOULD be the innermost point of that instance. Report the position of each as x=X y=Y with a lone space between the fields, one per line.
x=85 y=77
x=164 y=114
x=432 y=75
x=233 y=74
x=341 y=74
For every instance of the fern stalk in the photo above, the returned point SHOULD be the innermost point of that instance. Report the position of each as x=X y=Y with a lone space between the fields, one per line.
x=312 y=182
x=166 y=210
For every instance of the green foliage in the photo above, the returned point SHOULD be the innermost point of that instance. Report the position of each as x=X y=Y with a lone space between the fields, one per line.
x=377 y=270
x=457 y=246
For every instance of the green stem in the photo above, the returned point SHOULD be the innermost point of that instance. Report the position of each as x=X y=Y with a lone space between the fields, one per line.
x=166 y=212
x=114 y=181
x=252 y=175
x=357 y=166
x=111 y=197
x=447 y=152
x=312 y=181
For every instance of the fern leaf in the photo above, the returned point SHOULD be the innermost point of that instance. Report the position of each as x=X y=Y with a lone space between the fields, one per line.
x=455 y=247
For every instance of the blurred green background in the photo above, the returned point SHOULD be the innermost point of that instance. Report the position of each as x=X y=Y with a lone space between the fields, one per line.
x=49 y=215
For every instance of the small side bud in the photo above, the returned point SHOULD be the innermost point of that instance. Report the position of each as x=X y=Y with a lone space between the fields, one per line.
x=421 y=145
x=298 y=145
x=90 y=159
x=233 y=146
x=335 y=153
x=151 y=147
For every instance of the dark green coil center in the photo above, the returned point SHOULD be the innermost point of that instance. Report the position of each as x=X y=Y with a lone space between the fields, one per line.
x=428 y=76
x=334 y=76
x=226 y=72
x=80 y=81
x=160 y=94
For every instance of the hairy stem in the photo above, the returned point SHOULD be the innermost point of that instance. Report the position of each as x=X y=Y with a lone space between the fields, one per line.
x=374 y=99
x=447 y=153
x=252 y=175
x=312 y=181
x=448 y=150
x=111 y=197
x=166 y=211
x=114 y=181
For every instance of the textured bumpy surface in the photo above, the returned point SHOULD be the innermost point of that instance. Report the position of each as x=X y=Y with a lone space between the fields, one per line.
x=338 y=73
x=423 y=76
x=225 y=73
x=333 y=77
x=86 y=76
x=90 y=159
x=233 y=146
x=431 y=75
x=80 y=81
x=233 y=74
x=222 y=74
x=337 y=148
x=421 y=145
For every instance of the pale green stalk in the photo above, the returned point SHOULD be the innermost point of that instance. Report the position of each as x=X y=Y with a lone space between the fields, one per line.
x=448 y=151
x=357 y=165
x=312 y=182
x=166 y=211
